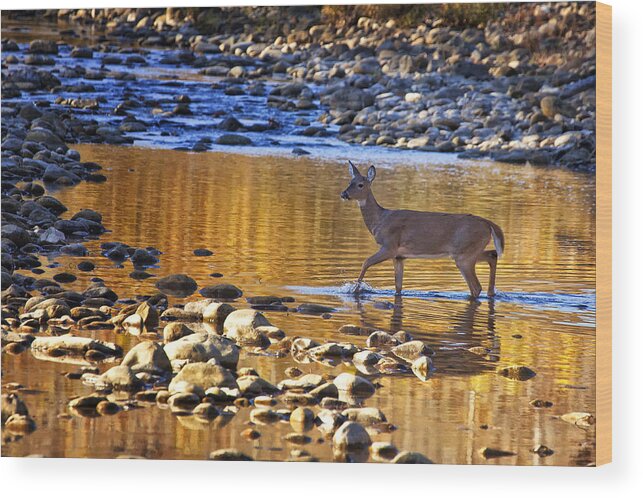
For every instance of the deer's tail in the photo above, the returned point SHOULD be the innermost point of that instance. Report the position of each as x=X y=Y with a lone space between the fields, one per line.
x=498 y=237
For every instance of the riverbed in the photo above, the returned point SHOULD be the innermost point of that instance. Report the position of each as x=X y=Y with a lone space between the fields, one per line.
x=277 y=225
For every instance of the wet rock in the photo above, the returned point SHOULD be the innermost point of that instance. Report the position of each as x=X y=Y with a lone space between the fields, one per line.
x=217 y=313
x=314 y=309
x=233 y=139
x=200 y=347
x=202 y=252
x=411 y=457
x=229 y=455
x=142 y=258
x=412 y=350
x=86 y=266
x=302 y=419
x=541 y=403
x=354 y=384
x=354 y=330
x=264 y=416
x=351 y=436
x=20 y=424
x=107 y=408
x=422 y=367
x=204 y=375
x=172 y=314
x=382 y=340
x=89 y=402
x=174 y=331
x=365 y=416
x=178 y=285
x=517 y=372
x=304 y=383
x=253 y=385
x=74 y=345
x=221 y=291
x=542 y=451
x=383 y=452
x=43 y=47
x=64 y=278
x=119 y=378
x=12 y=404
x=148 y=357
x=489 y=453
x=579 y=419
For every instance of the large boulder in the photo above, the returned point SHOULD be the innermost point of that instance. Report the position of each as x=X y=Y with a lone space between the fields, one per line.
x=241 y=325
x=148 y=357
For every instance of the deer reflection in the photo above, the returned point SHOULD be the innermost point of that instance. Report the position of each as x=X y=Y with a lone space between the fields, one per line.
x=465 y=340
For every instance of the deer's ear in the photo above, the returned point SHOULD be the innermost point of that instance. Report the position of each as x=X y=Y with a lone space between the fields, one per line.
x=353 y=170
x=371 y=174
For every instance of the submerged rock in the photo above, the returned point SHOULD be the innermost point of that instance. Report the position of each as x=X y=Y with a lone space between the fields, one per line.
x=178 y=285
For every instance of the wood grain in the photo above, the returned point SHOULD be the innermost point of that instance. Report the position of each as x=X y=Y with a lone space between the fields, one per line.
x=603 y=233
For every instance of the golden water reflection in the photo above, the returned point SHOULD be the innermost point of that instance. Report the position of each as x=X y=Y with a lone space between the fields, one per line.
x=277 y=226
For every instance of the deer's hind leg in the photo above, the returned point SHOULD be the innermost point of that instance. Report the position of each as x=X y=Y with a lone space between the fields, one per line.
x=467 y=267
x=490 y=257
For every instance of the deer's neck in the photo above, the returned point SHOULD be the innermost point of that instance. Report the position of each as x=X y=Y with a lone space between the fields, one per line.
x=371 y=212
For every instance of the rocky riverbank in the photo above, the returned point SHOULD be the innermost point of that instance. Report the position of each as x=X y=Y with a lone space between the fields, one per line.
x=520 y=88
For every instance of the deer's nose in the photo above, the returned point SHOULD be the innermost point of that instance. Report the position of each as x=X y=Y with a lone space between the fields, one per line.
x=344 y=195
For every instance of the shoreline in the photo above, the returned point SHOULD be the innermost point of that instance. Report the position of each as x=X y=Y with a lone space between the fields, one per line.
x=455 y=95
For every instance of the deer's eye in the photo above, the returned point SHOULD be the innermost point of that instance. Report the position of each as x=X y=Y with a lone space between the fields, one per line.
x=360 y=185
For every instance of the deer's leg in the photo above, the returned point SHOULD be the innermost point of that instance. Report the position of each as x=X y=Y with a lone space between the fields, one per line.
x=467 y=268
x=382 y=255
x=490 y=257
x=398 y=264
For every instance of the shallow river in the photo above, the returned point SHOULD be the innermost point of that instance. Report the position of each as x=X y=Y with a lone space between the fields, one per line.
x=277 y=226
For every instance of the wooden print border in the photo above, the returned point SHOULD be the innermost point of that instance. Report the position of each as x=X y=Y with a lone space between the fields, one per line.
x=603 y=233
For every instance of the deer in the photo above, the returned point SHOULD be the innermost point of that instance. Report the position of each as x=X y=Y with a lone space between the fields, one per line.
x=403 y=234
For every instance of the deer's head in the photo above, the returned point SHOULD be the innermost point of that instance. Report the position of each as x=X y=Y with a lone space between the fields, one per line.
x=360 y=186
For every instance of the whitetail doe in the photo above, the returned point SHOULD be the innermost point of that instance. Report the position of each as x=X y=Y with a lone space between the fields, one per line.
x=406 y=234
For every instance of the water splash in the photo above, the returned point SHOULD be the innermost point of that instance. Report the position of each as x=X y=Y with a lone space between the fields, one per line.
x=565 y=302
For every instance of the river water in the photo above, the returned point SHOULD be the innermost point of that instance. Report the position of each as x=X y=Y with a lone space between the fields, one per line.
x=277 y=225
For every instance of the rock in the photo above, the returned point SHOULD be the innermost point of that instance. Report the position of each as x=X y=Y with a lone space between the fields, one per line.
x=64 y=278
x=15 y=234
x=12 y=404
x=200 y=347
x=242 y=323
x=172 y=314
x=221 y=291
x=254 y=385
x=20 y=424
x=383 y=452
x=233 y=139
x=348 y=98
x=86 y=402
x=149 y=315
x=264 y=416
x=411 y=350
x=354 y=384
x=579 y=419
x=411 y=457
x=143 y=258
x=70 y=344
x=542 y=451
x=302 y=419
x=314 y=309
x=422 y=368
x=365 y=416
x=541 y=403
x=43 y=47
x=86 y=266
x=204 y=375
x=382 y=340
x=303 y=383
x=148 y=357
x=230 y=124
x=517 y=372
x=120 y=378
x=178 y=285
x=351 y=436
x=48 y=139
x=217 y=313
x=174 y=331
x=202 y=252
x=51 y=236
x=489 y=453
x=229 y=455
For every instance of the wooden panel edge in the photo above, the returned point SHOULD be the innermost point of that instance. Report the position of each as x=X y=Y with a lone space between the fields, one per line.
x=603 y=233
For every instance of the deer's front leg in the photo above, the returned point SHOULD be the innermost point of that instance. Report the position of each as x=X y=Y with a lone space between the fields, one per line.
x=382 y=255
